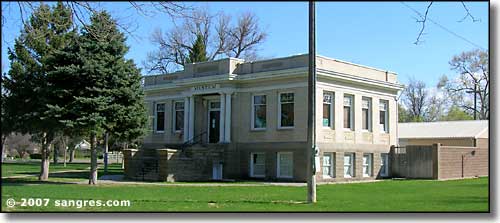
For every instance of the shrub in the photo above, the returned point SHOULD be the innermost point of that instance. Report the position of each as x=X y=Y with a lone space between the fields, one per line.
x=36 y=156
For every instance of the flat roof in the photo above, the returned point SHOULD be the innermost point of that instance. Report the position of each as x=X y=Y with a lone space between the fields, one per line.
x=446 y=129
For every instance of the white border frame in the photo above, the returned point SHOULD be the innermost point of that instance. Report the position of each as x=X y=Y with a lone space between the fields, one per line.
x=252 y=167
x=252 y=113
x=279 y=110
x=278 y=165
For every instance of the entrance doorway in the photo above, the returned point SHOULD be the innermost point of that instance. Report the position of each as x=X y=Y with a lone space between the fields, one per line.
x=213 y=121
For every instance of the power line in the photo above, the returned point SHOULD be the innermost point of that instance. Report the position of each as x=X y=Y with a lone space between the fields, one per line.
x=443 y=27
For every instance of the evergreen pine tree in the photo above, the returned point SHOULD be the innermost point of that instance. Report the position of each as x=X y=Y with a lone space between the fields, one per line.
x=198 y=53
x=108 y=97
x=26 y=93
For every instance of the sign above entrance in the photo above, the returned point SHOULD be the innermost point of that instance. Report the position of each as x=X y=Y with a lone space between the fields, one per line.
x=205 y=87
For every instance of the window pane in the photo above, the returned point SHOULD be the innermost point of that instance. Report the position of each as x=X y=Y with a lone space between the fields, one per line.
x=327 y=98
x=347 y=100
x=347 y=117
x=365 y=118
x=214 y=105
x=348 y=165
x=179 y=105
x=179 y=120
x=286 y=167
x=326 y=114
x=160 y=107
x=286 y=97
x=258 y=164
x=160 y=121
x=287 y=114
x=259 y=116
x=259 y=99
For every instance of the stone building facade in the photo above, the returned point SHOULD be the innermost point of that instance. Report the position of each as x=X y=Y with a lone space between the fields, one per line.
x=256 y=114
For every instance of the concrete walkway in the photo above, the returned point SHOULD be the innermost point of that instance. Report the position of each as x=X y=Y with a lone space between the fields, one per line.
x=119 y=179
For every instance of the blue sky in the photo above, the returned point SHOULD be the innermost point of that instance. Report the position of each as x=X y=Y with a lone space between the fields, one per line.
x=377 y=34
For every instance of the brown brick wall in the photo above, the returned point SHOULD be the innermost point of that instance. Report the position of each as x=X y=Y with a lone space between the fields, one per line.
x=450 y=162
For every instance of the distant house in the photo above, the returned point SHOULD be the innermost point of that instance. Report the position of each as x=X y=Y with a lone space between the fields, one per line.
x=449 y=133
x=83 y=145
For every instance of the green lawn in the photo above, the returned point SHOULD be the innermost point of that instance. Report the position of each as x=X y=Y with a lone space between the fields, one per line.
x=74 y=171
x=390 y=195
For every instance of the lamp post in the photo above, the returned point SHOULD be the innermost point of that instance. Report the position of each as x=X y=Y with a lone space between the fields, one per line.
x=311 y=117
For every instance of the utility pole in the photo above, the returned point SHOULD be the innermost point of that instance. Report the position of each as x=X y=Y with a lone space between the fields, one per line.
x=311 y=114
x=475 y=100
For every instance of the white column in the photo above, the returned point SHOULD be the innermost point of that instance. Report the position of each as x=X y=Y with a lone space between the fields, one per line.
x=222 y=116
x=186 y=119
x=191 y=117
x=227 y=122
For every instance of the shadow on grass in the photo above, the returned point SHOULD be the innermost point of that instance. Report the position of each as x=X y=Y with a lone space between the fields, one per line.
x=26 y=181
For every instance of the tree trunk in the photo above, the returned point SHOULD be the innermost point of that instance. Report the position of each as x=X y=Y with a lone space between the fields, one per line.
x=93 y=160
x=71 y=155
x=56 y=152
x=125 y=146
x=105 y=153
x=44 y=165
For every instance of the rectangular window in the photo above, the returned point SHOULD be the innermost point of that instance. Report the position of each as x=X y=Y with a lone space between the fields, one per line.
x=160 y=118
x=366 y=113
x=367 y=165
x=285 y=165
x=328 y=165
x=257 y=165
x=259 y=112
x=178 y=116
x=384 y=164
x=286 y=108
x=384 y=115
x=348 y=111
x=328 y=109
x=348 y=165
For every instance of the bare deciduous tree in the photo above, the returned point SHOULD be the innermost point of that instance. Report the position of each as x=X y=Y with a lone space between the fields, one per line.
x=473 y=81
x=82 y=10
x=221 y=38
x=415 y=99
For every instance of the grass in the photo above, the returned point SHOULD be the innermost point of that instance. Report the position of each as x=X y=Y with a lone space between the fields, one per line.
x=74 y=171
x=390 y=195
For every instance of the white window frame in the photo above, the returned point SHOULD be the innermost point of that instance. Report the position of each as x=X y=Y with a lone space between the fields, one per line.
x=156 y=118
x=368 y=165
x=279 y=110
x=252 y=166
x=278 y=166
x=351 y=111
x=174 y=118
x=252 y=118
x=384 y=164
x=332 y=165
x=369 y=118
x=332 y=109
x=352 y=165
x=384 y=127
